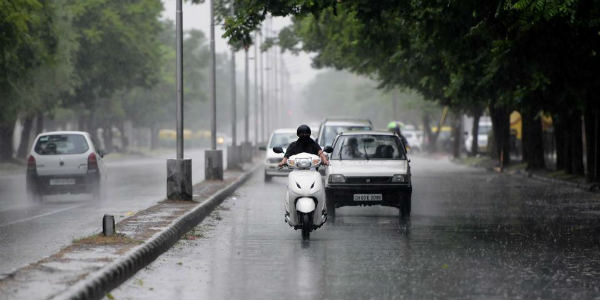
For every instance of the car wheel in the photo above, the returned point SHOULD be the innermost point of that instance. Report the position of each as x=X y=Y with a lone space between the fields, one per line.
x=267 y=177
x=35 y=196
x=404 y=212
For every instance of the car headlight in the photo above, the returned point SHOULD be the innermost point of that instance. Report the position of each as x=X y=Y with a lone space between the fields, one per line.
x=337 y=178
x=403 y=178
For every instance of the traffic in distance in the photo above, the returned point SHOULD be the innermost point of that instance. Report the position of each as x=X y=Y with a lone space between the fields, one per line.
x=365 y=167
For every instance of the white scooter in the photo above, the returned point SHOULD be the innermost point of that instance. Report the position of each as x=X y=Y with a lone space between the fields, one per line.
x=305 y=207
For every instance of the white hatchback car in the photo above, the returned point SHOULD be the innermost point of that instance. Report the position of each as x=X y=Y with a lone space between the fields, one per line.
x=279 y=138
x=64 y=162
x=368 y=168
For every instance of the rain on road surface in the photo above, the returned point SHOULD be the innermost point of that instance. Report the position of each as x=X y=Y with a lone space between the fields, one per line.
x=474 y=235
x=30 y=231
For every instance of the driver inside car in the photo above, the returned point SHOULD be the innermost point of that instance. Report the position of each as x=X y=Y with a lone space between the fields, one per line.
x=304 y=144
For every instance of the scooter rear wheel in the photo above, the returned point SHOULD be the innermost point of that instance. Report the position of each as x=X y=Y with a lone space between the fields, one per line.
x=306 y=226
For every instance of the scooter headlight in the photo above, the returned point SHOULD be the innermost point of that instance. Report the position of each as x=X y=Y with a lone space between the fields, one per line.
x=303 y=163
x=337 y=178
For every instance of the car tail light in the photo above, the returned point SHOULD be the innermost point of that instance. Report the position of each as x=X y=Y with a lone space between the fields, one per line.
x=31 y=163
x=92 y=162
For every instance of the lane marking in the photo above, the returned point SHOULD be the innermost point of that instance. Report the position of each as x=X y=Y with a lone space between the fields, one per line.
x=42 y=215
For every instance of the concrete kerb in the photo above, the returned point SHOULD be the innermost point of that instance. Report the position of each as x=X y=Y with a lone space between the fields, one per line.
x=99 y=283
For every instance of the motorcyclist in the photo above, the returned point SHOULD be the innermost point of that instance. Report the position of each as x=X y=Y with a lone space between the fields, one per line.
x=304 y=144
x=398 y=132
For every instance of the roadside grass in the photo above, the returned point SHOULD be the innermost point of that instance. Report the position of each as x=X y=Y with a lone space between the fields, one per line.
x=100 y=239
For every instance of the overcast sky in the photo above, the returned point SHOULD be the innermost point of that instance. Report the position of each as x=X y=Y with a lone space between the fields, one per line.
x=197 y=16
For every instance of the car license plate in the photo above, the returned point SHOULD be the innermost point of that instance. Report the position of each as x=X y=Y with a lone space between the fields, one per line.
x=62 y=181
x=368 y=197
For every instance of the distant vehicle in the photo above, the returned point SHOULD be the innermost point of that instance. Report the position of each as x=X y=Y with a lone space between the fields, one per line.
x=64 y=162
x=482 y=137
x=314 y=129
x=330 y=128
x=414 y=139
x=279 y=138
x=368 y=168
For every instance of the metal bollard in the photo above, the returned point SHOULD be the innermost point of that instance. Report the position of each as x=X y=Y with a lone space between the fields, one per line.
x=108 y=225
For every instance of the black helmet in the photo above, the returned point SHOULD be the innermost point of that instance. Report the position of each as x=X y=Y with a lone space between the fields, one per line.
x=303 y=129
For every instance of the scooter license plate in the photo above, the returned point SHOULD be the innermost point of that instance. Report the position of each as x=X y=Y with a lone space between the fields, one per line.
x=368 y=197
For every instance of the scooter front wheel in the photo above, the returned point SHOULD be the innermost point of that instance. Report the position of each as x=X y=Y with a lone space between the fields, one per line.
x=306 y=226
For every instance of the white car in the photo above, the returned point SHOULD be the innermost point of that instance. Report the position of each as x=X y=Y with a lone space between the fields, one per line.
x=414 y=139
x=330 y=128
x=279 y=138
x=482 y=137
x=64 y=162
x=368 y=168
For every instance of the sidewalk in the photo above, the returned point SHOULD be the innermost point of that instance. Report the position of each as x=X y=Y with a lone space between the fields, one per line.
x=557 y=177
x=88 y=257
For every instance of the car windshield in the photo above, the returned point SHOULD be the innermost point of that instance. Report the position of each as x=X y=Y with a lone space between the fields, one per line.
x=282 y=139
x=376 y=147
x=61 y=144
x=484 y=129
x=330 y=132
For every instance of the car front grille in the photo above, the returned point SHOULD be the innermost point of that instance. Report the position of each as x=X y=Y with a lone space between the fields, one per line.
x=367 y=180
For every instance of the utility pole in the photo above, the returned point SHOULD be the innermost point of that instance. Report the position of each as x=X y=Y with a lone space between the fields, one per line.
x=276 y=99
x=256 y=114
x=213 y=158
x=246 y=98
x=179 y=170
x=262 y=93
x=233 y=153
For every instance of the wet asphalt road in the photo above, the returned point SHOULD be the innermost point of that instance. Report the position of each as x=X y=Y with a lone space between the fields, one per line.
x=30 y=231
x=473 y=235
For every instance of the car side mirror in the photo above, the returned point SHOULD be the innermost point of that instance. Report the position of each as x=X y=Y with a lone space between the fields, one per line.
x=328 y=149
x=262 y=148
x=101 y=153
x=277 y=149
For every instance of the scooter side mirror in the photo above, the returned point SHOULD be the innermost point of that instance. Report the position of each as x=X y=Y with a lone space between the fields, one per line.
x=277 y=149
x=328 y=149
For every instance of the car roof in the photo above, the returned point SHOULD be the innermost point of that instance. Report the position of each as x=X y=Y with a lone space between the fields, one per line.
x=348 y=123
x=285 y=130
x=362 y=132
x=63 y=132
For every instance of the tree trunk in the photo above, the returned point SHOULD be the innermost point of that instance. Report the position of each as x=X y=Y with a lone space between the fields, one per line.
x=475 y=133
x=560 y=129
x=457 y=134
x=6 y=140
x=533 y=141
x=39 y=123
x=592 y=124
x=576 y=137
x=25 y=135
x=107 y=137
x=501 y=127
x=124 y=139
x=427 y=128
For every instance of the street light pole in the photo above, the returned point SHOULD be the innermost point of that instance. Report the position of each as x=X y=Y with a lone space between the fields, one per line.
x=179 y=170
x=233 y=153
x=246 y=98
x=213 y=158
x=262 y=93
x=256 y=139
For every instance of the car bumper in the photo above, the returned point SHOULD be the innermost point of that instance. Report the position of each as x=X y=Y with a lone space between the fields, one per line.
x=52 y=185
x=274 y=170
x=392 y=194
